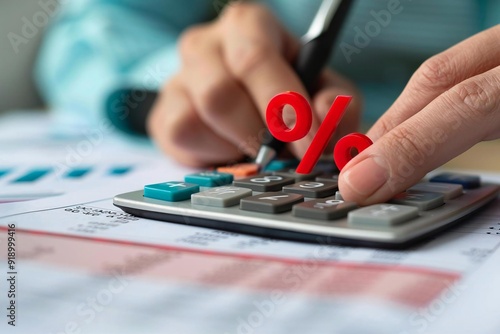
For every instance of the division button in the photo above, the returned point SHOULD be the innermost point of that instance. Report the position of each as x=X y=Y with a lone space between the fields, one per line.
x=382 y=215
x=423 y=201
x=263 y=182
x=323 y=209
x=221 y=196
x=273 y=202
x=314 y=189
x=171 y=191
x=210 y=179
x=467 y=181
x=448 y=190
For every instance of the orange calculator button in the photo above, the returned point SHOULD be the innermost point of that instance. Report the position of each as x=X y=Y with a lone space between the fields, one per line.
x=240 y=170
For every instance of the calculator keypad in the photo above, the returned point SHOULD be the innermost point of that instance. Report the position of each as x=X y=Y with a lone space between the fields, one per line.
x=275 y=203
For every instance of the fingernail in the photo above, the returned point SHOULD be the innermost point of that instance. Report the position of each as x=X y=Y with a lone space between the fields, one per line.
x=366 y=177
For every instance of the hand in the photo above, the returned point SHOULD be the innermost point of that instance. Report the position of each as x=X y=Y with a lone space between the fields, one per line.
x=212 y=111
x=451 y=103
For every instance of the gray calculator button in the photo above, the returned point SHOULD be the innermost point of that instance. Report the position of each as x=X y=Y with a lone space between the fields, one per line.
x=274 y=202
x=323 y=209
x=221 y=196
x=314 y=189
x=423 y=201
x=382 y=215
x=328 y=177
x=448 y=190
x=264 y=182
x=296 y=176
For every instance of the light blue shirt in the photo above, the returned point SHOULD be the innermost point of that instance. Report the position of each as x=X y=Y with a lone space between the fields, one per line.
x=96 y=47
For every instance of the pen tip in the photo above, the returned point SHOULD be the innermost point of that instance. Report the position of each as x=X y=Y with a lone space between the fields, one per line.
x=265 y=156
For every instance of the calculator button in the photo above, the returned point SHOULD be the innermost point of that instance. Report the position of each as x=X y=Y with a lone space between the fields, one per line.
x=277 y=165
x=326 y=166
x=323 y=209
x=448 y=190
x=382 y=215
x=328 y=177
x=273 y=202
x=171 y=191
x=312 y=189
x=264 y=182
x=296 y=176
x=209 y=179
x=222 y=197
x=467 y=181
x=240 y=170
x=423 y=201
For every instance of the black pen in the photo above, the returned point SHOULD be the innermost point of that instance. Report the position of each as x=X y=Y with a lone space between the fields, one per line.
x=317 y=45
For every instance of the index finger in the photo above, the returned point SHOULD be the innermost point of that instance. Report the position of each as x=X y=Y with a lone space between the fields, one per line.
x=258 y=51
x=438 y=74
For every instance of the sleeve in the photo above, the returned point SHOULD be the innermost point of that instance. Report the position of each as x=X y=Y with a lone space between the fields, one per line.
x=491 y=10
x=99 y=57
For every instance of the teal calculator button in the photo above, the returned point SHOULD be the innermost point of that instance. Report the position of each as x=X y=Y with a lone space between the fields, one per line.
x=277 y=165
x=171 y=191
x=210 y=179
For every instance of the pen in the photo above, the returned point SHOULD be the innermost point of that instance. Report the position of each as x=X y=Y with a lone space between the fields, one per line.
x=317 y=45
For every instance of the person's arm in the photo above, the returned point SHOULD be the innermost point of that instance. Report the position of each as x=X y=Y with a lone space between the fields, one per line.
x=95 y=51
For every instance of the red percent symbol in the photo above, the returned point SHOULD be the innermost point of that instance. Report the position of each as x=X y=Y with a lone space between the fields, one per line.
x=345 y=149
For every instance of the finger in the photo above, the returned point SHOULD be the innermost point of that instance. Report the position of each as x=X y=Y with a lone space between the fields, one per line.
x=256 y=49
x=455 y=121
x=333 y=85
x=220 y=101
x=438 y=74
x=179 y=132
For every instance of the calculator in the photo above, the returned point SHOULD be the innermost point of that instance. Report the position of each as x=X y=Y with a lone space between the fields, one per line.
x=308 y=207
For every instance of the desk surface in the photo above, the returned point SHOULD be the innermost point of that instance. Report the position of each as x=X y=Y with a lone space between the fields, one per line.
x=484 y=156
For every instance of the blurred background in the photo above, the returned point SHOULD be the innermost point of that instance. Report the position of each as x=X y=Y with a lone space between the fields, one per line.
x=17 y=90
x=398 y=51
